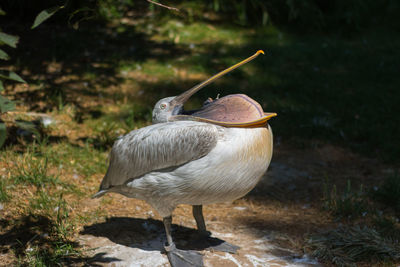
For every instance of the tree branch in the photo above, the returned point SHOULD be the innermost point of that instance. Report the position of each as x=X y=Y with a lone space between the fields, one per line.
x=164 y=6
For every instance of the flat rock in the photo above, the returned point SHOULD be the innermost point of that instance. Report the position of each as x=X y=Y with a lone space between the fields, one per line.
x=131 y=248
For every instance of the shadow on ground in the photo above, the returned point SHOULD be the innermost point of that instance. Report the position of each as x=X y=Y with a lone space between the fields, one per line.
x=35 y=235
x=146 y=234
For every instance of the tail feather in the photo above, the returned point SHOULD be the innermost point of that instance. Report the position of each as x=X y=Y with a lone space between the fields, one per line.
x=99 y=194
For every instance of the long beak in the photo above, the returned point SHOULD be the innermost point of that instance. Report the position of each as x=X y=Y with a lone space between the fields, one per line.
x=182 y=98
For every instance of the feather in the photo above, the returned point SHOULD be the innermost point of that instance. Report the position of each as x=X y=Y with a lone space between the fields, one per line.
x=157 y=147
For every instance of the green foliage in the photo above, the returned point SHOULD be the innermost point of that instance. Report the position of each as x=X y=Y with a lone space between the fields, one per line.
x=12 y=41
x=4 y=55
x=6 y=104
x=8 y=39
x=306 y=15
x=44 y=15
x=345 y=246
x=389 y=192
x=108 y=9
x=4 y=195
x=10 y=75
x=348 y=204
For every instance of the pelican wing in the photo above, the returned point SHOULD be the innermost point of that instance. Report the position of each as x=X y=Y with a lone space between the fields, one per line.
x=157 y=147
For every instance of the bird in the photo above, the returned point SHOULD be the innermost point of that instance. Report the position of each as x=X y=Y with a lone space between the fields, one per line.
x=214 y=154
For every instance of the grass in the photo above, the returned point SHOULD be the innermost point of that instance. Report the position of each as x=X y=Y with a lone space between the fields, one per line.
x=369 y=235
x=389 y=192
x=41 y=233
x=82 y=160
x=58 y=248
x=4 y=194
x=34 y=171
x=45 y=235
x=345 y=246
x=348 y=204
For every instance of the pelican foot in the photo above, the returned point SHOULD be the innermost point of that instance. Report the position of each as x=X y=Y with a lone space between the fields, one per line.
x=223 y=246
x=205 y=241
x=183 y=258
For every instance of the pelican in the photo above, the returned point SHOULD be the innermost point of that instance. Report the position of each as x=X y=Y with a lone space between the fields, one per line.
x=212 y=155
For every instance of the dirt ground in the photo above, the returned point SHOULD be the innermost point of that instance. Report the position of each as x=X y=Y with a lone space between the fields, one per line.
x=269 y=224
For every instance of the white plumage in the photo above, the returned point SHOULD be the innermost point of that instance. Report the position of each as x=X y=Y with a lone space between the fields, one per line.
x=187 y=162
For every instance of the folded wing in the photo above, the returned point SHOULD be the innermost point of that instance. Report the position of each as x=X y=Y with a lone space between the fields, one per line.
x=157 y=147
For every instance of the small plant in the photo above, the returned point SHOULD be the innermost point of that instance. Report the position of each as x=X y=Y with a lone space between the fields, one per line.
x=349 y=204
x=389 y=192
x=388 y=226
x=345 y=246
x=51 y=245
x=34 y=170
x=43 y=203
x=106 y=135
x=4 y=196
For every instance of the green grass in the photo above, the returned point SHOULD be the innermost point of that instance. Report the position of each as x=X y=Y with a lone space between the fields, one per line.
x=198 y=33
x=42 y=234
x=345 y=246
x=348 y=204
x=4 y=194
x=34 y=171
x=371 y=232
x=36 y=256
x=82 y=160
x=389 y=192
x=47 y=232
x=32 y=168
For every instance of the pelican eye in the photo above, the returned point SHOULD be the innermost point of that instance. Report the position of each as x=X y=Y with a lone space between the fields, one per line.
x=163 y=106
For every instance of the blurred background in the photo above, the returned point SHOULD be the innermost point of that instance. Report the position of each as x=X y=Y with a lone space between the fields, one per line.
x=75 y=75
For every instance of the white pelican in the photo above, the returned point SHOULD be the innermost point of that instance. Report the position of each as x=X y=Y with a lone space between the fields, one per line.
x=215 y=154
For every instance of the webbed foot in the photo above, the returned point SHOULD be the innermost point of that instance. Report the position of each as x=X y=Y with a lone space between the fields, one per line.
x=183 y=258
x=205 y=241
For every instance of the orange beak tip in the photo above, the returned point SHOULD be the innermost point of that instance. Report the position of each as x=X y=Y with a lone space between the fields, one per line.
x=260 y=52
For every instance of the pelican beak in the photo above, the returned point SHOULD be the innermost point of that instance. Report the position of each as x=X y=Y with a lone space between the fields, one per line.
x=182 y=98
x=261 y=122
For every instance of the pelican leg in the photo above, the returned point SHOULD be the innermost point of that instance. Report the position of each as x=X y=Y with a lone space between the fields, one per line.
x=205 y=239
x=198 y=216
x=177 y=257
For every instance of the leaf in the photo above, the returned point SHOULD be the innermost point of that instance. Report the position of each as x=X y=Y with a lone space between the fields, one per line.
x=74 y=14
x=44 y=15
x=6 y=104
x=1 y=86
x=3 y=55
x=8 y=39
x=10 y=75
x=3 y=133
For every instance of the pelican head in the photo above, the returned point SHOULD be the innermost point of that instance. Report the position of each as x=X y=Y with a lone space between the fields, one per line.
x=165 y=108
x=173 y=105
